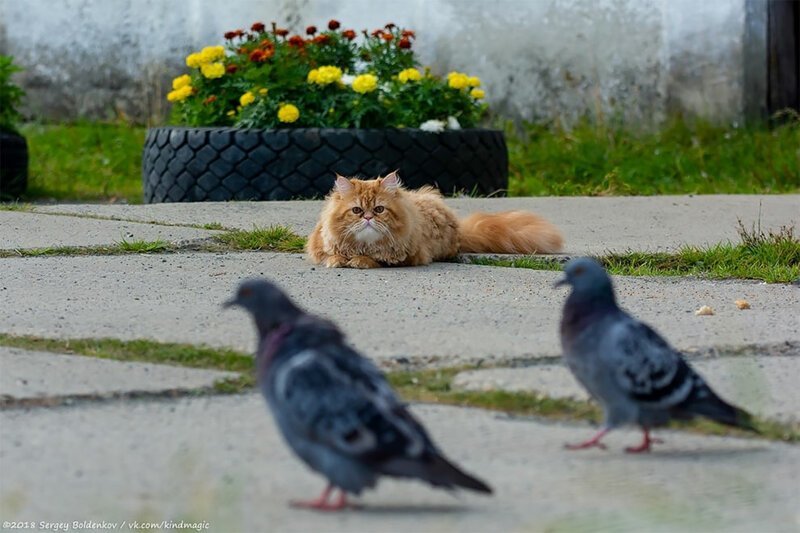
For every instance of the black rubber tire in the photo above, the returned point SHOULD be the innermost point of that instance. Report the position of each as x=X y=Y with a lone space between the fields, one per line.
x=208 y=164
x=13 y=165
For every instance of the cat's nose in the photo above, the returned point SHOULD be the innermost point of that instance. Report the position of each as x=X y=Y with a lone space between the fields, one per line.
x=368 y=216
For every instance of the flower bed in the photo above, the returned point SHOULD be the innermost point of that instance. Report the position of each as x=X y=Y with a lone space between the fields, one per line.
x=324 y=102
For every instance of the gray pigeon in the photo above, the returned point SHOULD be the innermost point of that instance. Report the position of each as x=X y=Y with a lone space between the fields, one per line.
x=626 y=366
x=333 y=406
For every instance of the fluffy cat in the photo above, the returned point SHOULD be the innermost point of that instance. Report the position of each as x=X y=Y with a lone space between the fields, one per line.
x=373 y=223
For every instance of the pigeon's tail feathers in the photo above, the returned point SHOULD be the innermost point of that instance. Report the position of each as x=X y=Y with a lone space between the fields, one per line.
x=436 y=470
x=719 y=410
x=510 y=232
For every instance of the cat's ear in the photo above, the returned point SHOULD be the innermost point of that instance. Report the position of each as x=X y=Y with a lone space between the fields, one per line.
x=342 y=184
x=391 y=181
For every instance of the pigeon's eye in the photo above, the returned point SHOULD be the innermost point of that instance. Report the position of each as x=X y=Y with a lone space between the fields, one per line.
x=578 y=271
x=378 y=209
x=357 y=210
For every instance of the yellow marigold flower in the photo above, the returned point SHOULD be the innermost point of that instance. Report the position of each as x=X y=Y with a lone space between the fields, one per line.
x=288 y=113
x=180 y=94
x=365 y=83
x=457 y=80
x=231 y=113
x=209 y=54
x=247 y=98
x=213 y=70
x=313 y=76
x=181 y=81
x=327 y=75
x=263 y=92
x=409 y=74
x=194 y=61
x=474 y=81
x=477 y=93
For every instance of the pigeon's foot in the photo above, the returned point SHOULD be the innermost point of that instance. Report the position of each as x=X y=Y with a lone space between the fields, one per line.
x=646 y=444
x=594 y=442
x=322 y=503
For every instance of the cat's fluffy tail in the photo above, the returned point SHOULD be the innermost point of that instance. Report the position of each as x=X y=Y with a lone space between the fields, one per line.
x=510 y=232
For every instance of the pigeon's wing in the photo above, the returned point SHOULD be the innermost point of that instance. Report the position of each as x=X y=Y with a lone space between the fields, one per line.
x=647 y=368
x=335 y=397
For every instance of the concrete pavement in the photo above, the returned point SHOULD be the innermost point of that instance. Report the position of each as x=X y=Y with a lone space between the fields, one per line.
x=217 y=460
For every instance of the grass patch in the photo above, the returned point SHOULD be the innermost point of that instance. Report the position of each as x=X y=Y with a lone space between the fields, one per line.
x=430 y=386
x=773 y=257
x=87 y=161
x=142 y=247
x=682 y=157
x=212 y=225
x=272 y=238
x=120 y=248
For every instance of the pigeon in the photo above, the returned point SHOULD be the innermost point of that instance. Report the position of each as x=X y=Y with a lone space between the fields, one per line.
x=635 y=375
x=335 y=409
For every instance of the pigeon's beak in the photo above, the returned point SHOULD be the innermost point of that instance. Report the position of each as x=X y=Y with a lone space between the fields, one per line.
x=230 y=303
x=560 y=282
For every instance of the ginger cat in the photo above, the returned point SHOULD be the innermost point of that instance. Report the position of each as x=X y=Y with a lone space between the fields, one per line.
x=368 y=224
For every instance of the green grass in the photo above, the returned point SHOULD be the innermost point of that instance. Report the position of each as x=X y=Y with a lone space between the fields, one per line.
x=600 y=159
x=773 y=257
x=122 y=247
x=86 y=161
x=272 y=238
x=431 y=386
x=142 y=247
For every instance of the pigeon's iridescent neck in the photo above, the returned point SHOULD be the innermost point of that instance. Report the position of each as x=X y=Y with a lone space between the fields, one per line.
x=270 y=345
x=580 y=311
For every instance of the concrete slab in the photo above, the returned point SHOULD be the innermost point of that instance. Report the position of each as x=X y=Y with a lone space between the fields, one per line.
x=444 y=310
x=764 y=385
x=19 y=229
x=219 y=460
x=590 y=225
x=27 y=374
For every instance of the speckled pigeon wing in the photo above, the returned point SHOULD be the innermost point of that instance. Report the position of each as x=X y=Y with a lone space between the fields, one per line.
x=647 y=368
x=333 y=398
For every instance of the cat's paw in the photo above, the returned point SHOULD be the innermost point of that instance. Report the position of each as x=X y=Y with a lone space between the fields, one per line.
x=362 y=261
x=336 y=261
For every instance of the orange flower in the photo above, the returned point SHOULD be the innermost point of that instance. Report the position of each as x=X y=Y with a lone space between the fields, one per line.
x=280 y=32
x=266 y=43
x=258 y=56
x=322 y=39
x=409 y=33
x=404 y=43
x=333 y=24
x=387 y=37
x=257 y=27
x=230 y=69
x=377 y=33
x=349 y=34
x=296 y=41
x=230 y=35
x=311 y=30
x=210 y=100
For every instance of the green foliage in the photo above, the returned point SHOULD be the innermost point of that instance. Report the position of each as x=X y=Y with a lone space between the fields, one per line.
x=274 y=238
x=10 y=95
x=682 y=157
x=330 y=79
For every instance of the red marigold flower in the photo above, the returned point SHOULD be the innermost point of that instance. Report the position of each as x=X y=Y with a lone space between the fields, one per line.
x=377 y=33
x=387 y=37
x=258 y=27
x=280 y=32
x=296 y=41
x=266 y=43
x=239 y=33
x=389 y=26
x=211 y=99
x=257 y=56
x=230 y=35
x=311 y=30
x=349 y=34
x=333 y=24
x=230 y=69
x=409 y=33
x=268 y=53
x=404 y=43
x=322 y=39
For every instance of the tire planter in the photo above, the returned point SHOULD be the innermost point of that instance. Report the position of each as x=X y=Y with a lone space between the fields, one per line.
x=213 y=164
x=13 y=165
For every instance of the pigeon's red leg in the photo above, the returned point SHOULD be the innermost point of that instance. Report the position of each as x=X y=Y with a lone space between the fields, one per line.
x=340 y=503
x=594 y=442
x=320 y=503
x=645 y=445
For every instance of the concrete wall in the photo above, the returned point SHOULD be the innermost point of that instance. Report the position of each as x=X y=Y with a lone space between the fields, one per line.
x=540 y=59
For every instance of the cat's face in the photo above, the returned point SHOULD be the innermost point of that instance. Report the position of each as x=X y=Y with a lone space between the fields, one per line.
x=368 y=211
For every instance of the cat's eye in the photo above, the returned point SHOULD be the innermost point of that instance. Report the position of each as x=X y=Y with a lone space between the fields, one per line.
x=378 y=209
x=357 y=210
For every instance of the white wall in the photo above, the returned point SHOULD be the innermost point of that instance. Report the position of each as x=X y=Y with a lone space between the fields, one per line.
x=539 y=59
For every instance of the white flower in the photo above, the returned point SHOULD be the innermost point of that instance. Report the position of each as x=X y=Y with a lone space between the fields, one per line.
x=347 y=79
x=452 y=123
x=434 y=126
